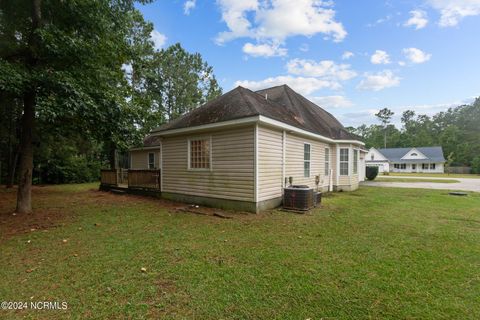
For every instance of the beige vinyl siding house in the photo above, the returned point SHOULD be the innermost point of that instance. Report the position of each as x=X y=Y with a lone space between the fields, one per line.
x=142 y=158
x=244 y=158
x=231 y=172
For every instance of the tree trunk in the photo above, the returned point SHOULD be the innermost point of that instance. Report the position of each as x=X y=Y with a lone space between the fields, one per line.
x=24 y=193
x=385 y=138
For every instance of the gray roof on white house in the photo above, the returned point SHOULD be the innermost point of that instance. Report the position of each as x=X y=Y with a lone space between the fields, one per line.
x=433 y=154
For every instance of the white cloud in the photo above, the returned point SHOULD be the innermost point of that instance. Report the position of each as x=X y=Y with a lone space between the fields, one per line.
x=418 y=19
x=188 y=6
x=332 y=101
x=158 y=39
x=452 y=11
x=278 y=20
x=401 y=63
x=347 y=55
x=264 y=50
x=416 y=55
x=322 y=69
x=304 y=47
x=379 y=81
x=380 y=57
x=303 y=85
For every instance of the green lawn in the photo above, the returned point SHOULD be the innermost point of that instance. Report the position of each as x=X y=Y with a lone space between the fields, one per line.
x=387 y=179
x=437 y=175
x=376 y=253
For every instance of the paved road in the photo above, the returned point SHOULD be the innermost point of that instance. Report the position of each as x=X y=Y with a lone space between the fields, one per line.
x=465 y=184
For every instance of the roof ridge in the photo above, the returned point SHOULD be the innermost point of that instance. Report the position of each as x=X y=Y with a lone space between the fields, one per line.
x=251 y=106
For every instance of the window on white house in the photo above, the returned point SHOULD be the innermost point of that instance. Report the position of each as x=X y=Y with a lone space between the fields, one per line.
x=400 y=166
x=372 y=157
x=344 y=162
x=424 y=166
x=327 y=161
x=355 y=161
x=199 y=151
x=414 y=154
x=306 y=160
x=432 y=166
x=151 y=160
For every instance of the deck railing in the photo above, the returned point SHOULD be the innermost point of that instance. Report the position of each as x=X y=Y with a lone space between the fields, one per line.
x=108 y=177
x=144 y=179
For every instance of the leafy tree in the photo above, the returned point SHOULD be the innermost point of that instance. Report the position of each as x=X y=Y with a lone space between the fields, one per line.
x=180 y=81
x=63 y=60
x=385 y=116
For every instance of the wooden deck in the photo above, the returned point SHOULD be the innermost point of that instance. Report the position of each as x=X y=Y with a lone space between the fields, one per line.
x=140 y=182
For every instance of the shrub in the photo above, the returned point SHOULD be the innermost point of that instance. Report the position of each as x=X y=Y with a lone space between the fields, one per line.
x=476 y=165
x=371 y=172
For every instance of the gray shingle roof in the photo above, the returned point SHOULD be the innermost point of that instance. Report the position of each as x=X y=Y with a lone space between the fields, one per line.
x=434 y=154
x=282 y=104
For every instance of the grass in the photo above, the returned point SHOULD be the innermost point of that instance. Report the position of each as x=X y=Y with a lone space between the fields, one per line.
x=376 y=253
x=437 y=175
x=386 y=179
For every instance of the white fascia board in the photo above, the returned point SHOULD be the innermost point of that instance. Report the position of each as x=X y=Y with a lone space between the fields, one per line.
x=252 y=120
x=215 y=125
x=288 y=127
x=144 y=148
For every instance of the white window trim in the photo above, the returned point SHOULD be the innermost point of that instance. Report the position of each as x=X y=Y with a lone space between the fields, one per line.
x=325 y=171
x=353 y=161
x=309 y=161
x=209 y=138
x=340 y=161
x=148 y=160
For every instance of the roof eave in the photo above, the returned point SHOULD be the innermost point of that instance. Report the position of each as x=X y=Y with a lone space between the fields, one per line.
x=253 y=120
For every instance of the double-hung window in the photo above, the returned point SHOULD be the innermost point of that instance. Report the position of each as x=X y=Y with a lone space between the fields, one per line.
x=151 y=160
x=344 y=161
x=199 y=154
x=306 y=160
x=432 y=166
x=355 y=161
x=327 y=161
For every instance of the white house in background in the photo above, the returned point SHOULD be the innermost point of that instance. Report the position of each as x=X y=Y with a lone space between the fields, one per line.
x=422 y=159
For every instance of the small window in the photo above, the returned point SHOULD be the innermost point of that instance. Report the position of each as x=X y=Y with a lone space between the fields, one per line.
x=403 y=166
x=372 y=157
x=306 y=160
x=424 y=166
x=396 y=166
x=355 y=161
x=151 y=160
x=344 y=162
x=414 y=154
x=199 y=151
x=432 y=166
x=327 y=161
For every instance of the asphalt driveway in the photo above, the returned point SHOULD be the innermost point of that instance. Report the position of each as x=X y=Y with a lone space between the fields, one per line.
x=464 y=184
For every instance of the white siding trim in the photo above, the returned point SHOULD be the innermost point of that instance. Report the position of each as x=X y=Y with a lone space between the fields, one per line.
x=255 y=198
x=161 y=166
x=284 y=156
x=337 y=164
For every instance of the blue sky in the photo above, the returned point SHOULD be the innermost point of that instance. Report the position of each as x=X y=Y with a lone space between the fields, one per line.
x=350 y=57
